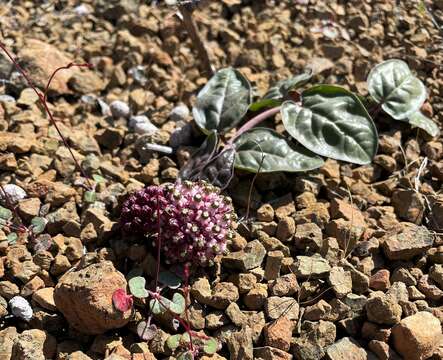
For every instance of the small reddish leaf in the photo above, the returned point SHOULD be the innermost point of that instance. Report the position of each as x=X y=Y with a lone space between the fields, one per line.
x=121 y=300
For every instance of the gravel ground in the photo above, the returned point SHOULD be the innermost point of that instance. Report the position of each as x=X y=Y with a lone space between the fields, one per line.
x=344 y=262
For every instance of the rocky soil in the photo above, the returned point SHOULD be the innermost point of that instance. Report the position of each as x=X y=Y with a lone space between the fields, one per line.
x=341 y=263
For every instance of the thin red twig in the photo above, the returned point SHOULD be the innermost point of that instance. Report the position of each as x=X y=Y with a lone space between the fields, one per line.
x=42 y=99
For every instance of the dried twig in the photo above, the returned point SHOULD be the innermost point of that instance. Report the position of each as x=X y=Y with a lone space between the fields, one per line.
x=185 y=15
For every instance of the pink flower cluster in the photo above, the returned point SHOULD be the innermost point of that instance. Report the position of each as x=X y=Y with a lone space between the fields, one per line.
x=195 y=220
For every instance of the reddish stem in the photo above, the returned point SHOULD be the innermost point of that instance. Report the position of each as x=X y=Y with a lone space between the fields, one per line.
x=158 y=243
x=59 y=69
x=42 y=99
x=254 y=122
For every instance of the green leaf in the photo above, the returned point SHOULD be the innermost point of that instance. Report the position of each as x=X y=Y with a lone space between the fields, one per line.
x=223 y=101
x=185 y=356
x=284 y=87
x=173 y=342
x=12 y=238
x=5 y=214
x=394 y=86
x=137 y=287
x=265 y=104
x=280 y=91
x=178 y=304
x=421 y=121
x=185 y=338
x=169 y=279
x=155 y=307
x=210 y=347
x=274 y=153
x=89 y=196
x=98 y=178
x=38 y=225
x=333 y=123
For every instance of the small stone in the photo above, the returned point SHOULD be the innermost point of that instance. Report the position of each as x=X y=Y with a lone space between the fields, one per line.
x=265 y=213
x=417 y=336
x=383 y=309
x=223 y=294
x=60 y=265
x=250 y=257
x=29 y=208
x=315 y=337
x=380 y=280
x=34 y=345
x=86 y=82
x=271 y=353
x=20 y=308
x=235 y=314
x=285 y=285
x=119 y=109
x=342 y=209
x=8 y=289
x=240 y=344
x=142 y=125
x=285 y=229
x=277 y=306
x=244 y=282
x=429 y=288
x=311 y=266
x=383 y=350
x=409 y=205
x=256 y=297
x=436 y=274
x=32 y=286
x=7 y=337
x=15 y=193
x=273 y=264
x=403 y=275
x=41 y=59
x=411 y=241
x=318 y=311
x=343 y=348
x=341 y=281
x=179 y=113
x=310 y=236
x=85 y=298
x=45 y=298
x=216 y=320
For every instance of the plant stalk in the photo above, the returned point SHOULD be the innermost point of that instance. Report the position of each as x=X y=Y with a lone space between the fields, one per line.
x=185 y=14
x=254 y=122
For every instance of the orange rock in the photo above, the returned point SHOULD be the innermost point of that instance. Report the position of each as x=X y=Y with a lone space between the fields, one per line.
x=85 y=298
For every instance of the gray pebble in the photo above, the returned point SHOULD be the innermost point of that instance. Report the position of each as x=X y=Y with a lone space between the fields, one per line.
x=20 y=308
x=119 y=109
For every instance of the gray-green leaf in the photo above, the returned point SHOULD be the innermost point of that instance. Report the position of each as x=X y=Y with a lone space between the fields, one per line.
x=156 y=307
x=178 y=304
x=173 y=342
x=394 y=86
x=38 y=224
x=223 y=101
x=210 y=346
x=333 y=123
x=265 y=147
x=421 y=121
x=5 y=214
x=137 y=287
x=12 y=238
